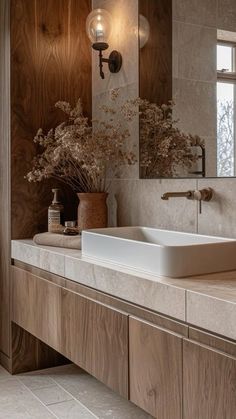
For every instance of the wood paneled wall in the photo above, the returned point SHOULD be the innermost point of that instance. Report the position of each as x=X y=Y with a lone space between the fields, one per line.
x=155 y=58
x=50 y=60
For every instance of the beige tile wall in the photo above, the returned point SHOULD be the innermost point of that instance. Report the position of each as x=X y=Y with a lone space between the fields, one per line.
x=133 y=201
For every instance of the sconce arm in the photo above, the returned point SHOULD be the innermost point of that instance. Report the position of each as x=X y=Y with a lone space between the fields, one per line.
x=114 y=61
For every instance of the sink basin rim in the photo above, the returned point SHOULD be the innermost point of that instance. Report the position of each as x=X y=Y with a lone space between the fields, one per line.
x=216 y=240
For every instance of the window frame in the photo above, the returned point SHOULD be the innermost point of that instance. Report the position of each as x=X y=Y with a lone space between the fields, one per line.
x=230 y=77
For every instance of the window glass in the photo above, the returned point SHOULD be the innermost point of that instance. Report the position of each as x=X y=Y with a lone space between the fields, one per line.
x=225 y=129
x=224 y=58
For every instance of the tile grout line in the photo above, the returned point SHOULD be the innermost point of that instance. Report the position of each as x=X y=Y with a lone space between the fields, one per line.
x=37 y=398
x=73 y=398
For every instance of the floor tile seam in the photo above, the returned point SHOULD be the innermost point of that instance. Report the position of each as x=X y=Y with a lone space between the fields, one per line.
x=37 y=388
x=37 y=398
x=74 y=398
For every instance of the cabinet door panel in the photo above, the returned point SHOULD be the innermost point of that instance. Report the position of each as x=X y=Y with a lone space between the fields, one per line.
x=95 y=337
x=155 y=370
x=36 y=306
x=209 y=383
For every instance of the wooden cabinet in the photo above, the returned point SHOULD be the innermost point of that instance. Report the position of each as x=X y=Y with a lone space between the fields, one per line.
x=36 y=306
x=209 y=377
x=95 y=337
x=169 y=374
x=92 y=335
x=155 y=370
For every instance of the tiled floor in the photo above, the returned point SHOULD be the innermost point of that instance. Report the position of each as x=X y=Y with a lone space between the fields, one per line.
x=65 y=393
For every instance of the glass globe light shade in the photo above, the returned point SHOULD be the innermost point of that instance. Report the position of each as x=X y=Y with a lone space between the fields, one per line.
x=144 y=31
x=99 y=26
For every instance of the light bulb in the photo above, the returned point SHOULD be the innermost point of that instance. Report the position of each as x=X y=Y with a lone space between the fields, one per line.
x=99 y=26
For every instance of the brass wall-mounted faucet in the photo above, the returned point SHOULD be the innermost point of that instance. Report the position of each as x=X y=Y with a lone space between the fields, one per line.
x=205 y=194
x=198 y=195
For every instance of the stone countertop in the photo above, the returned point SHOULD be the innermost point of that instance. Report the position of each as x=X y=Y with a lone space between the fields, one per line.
x=207 y=301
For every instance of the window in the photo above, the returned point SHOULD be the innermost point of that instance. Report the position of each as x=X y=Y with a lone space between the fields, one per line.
x=226 y=108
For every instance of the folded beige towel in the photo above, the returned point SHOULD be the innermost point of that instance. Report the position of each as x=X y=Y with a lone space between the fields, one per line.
x=58 y=240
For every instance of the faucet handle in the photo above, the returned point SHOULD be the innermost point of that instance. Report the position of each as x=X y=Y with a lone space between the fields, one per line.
x=205 y=194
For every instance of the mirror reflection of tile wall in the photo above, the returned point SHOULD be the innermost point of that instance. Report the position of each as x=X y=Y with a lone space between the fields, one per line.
x=195 y=30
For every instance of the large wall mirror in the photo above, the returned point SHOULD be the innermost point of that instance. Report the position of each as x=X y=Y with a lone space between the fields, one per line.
x=188 y=83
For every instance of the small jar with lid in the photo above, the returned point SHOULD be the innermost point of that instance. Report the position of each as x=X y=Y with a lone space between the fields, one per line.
x=70 y=228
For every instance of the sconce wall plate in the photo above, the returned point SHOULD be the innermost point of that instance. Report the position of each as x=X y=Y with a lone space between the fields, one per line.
x=115 y=61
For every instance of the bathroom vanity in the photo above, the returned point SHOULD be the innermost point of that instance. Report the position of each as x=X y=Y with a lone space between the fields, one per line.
x=168 y=345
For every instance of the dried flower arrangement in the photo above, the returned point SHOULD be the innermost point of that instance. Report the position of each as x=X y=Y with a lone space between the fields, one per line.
x=79 y=152
x=164 y=148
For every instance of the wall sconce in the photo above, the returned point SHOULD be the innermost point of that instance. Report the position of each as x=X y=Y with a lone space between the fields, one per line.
x=99 y=28
x=144 y=31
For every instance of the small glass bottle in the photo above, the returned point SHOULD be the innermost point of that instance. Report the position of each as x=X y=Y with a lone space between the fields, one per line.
x=55 y=213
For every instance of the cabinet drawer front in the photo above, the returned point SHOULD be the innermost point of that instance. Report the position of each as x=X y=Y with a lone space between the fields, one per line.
x=155 y=370
x=36 y=306
x=209 y=383
x=95 y=337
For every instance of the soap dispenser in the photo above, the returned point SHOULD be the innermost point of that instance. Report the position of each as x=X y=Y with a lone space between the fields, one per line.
x=55 y=213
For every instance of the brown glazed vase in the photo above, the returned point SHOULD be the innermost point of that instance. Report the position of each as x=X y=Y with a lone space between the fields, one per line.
x=92 y=210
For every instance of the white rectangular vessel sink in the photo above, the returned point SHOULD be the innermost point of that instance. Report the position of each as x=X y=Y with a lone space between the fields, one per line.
x=160 y=252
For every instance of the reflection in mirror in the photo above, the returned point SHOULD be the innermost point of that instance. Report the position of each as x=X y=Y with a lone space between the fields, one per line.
x=187 y=72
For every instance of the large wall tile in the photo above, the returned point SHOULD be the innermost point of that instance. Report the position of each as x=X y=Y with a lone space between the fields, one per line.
x=219 y=215
x=194 y=52
x=124 y=203
x=226 y=18
x=211 y=156
x=139 y=203
x=195 y=106
x=202 y=12
x=174 y=214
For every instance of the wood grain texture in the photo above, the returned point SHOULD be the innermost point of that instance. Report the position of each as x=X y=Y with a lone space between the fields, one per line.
x=5 y=361
x=155 y=58
x=214 y=342
x=36 y=307
x=209 y=383
x=29 y=353
x=155 y=370
x=50 y=61
x=95 y=337
x=90 y=334
x=5 y=255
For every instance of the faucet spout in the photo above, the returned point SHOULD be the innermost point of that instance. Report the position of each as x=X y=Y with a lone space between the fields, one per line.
x=201 y=195
x=168 y=195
